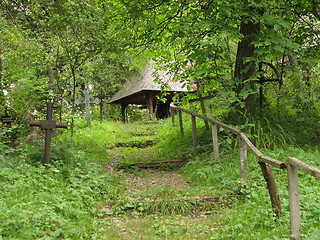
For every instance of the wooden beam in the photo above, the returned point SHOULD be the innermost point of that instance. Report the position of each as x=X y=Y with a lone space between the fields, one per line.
x=243 y=160
x=203 y=108
x=215 y=142
x=315 y=172
x=272 y=187
x=194 y=131
x=173 y=112
x=150 y=103
x=123 y=112
x=295 y=222
x=181 y=123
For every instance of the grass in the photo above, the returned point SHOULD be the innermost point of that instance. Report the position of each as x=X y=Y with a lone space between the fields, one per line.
x=65 y=200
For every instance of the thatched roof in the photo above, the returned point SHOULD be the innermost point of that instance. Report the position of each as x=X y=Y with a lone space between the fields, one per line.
x=135 y=90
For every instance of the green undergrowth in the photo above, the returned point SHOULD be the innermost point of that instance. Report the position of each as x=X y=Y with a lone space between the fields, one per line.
x=64 y=200
x=251 y=217
x=58 y=201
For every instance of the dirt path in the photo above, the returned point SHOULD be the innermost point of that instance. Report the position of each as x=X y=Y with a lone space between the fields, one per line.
x=156 y=204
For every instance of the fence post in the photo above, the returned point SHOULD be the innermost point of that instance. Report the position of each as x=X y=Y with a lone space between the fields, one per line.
x=295 y=224
x=272 y=187
x=181 y=123
x=215 y=141
x=203 y=108
x=172 y=115
x=194 y=131
x=243 y=160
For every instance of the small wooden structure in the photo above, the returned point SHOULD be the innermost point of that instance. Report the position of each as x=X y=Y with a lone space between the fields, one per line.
x=143 y=90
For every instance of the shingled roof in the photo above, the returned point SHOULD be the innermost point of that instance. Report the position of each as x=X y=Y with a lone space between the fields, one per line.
x=134 y=90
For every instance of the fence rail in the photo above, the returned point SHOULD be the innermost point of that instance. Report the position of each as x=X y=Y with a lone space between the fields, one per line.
x=265 y=163
x=293 y=186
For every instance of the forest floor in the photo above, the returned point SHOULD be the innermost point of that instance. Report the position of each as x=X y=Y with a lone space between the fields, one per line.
x=156 y=200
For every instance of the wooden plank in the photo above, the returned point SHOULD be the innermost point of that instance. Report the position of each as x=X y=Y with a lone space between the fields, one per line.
x=181 y=123
x=272 y=188
x=215 y=141
x=243 y=160
x=170 y=164
x=295 y=222
x=194 y=131
x=305 y=167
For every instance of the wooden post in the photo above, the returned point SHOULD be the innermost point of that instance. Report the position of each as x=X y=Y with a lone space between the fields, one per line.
x=150 y=104
x=203 y=108
x=48 y=125
x=295 y=224
x=123 y=112
x=181 y=123
x=194 y=131
x=101 y=110
x=272 y=187
x=243 y=160
x=173 y=112
x=215 y=141
x=87 y=105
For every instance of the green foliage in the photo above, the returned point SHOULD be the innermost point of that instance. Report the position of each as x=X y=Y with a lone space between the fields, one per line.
x=48 y=203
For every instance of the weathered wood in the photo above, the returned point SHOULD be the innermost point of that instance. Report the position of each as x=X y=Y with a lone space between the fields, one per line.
x=305 y=167
x=243 y=160
x=48 y=125
x=273 y=162
x=295 y=222
x=203 y=109
x=123 y=112
x=225 y=126
x=215 y=141
x=253 y=149
x=173 y=112
x=272 y=188
x=181 y=123
x=194 y=131
x=151 y=165
x=150 y=103
x=250 y=145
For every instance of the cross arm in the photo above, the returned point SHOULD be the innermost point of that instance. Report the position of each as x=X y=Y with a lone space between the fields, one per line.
x=48 y=124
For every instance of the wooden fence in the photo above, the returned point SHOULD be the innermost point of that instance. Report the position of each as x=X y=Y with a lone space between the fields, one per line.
x=265 y=163
x=293 y=166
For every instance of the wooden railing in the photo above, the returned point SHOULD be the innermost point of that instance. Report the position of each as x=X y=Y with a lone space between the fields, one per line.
x=265 y=163
x=293 y=166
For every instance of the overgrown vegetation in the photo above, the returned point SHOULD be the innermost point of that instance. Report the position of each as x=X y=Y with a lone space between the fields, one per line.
x=255 y=62
x=65 y=199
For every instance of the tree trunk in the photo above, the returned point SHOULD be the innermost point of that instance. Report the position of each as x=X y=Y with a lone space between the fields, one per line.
x=73 y=106
x=244 y=69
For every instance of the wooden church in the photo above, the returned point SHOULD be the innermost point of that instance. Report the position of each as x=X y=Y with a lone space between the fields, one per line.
x=143 y=91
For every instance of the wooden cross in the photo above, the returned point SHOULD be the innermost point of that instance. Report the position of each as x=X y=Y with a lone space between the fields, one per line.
x=48 y=125
x=86 y=101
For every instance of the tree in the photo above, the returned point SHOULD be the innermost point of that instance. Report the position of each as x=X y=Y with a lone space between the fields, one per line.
x=71 y=35
x=193 y=31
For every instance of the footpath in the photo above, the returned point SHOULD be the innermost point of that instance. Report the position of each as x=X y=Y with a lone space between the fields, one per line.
x=156 y=202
